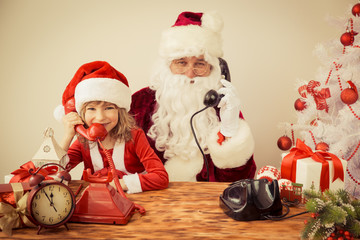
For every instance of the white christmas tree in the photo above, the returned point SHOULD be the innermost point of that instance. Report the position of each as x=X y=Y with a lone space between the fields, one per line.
x=328 y=108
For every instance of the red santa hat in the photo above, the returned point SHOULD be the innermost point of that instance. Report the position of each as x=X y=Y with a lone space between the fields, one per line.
x=94 y=81
x=193 y=34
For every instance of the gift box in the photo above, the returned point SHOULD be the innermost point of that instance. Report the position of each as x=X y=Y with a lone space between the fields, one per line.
x=319 y=169
x=13 y=213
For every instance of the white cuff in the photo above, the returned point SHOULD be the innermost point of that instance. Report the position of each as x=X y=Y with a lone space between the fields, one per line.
x=229 y=129
x=133 y=183
x=234 y=151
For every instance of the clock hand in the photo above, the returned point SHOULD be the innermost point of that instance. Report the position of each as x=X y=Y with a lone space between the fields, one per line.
x=51 y=202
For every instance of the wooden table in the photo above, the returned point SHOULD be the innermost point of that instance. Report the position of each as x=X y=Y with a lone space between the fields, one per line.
x=182 y=211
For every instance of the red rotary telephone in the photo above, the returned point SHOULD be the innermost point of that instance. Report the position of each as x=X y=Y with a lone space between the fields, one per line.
x=100 y=202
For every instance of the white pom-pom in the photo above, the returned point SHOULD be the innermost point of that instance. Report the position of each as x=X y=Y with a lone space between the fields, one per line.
x=59 y=113
x=212 y=21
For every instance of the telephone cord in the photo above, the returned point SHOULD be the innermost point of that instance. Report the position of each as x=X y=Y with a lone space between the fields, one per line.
x=198 y=144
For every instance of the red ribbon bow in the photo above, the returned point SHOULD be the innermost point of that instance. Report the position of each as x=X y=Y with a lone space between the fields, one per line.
x=288 y=164
x=22 y=174
x=319 y=96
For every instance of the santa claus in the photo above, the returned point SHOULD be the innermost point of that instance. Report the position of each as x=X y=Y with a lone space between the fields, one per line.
x=188 y=68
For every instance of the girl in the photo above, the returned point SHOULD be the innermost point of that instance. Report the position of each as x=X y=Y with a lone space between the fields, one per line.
x=101 y=95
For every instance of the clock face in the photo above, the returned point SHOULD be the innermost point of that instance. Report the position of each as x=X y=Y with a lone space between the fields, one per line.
x=52 y=204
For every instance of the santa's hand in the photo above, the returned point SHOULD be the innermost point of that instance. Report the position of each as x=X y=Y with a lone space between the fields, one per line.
x=229 y=109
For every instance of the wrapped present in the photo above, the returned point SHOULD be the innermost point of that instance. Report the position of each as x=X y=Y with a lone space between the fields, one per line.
x=13 y=213
x=320 y=169
x=23 y=175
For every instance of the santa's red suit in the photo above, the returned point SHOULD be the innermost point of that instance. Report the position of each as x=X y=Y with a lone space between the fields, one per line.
x=231 y=161
x=135 y=162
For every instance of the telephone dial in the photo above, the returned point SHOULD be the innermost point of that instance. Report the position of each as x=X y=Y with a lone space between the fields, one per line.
x=100 y=202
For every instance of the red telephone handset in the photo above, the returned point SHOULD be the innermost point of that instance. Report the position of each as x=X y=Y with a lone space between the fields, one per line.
x=94 y=132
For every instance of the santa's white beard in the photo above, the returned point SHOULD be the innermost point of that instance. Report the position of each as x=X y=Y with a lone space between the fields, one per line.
x=178 y=98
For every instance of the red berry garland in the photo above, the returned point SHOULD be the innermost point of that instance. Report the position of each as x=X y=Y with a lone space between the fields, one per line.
x=340 y=235
x=352 y=177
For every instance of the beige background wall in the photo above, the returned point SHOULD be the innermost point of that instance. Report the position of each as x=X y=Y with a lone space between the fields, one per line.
x=267 y=44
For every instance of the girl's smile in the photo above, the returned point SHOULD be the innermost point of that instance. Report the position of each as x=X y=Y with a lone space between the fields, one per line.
x=102 y=112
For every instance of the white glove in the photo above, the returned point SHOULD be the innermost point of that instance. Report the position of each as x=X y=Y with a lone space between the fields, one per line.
x=229 y=109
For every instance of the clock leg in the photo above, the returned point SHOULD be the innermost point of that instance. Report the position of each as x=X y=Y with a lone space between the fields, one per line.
x=39 y=228
x=67 y=228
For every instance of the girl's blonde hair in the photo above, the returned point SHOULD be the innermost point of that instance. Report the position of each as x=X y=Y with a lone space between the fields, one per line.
x=122 y=131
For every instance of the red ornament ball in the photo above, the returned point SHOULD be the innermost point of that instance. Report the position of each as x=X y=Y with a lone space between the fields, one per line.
x=349 y=96
x=284 y=143
x=321 y=146
x=299 y=104
x=347 y=39
x=356 y=10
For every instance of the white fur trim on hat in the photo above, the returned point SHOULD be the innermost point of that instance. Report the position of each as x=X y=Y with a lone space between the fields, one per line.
x=235 y=151
x=193 y=40
x=102 y=89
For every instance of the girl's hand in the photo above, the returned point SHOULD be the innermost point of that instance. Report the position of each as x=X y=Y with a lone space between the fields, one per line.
x=122 y=184
x=70 y=120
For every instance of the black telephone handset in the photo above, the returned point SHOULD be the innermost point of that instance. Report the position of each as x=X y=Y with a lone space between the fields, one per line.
x=95 y=132
x=212 y=98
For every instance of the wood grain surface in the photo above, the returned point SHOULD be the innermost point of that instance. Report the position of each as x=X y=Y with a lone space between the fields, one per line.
x=183 y=211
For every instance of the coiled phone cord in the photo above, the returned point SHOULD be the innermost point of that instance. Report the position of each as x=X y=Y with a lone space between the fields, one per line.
x=116 y=177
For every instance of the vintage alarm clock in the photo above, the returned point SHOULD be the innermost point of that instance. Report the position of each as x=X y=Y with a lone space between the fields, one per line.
x=50 y=203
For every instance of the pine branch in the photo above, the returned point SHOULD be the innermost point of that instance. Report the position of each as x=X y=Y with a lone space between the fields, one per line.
x=331 y=210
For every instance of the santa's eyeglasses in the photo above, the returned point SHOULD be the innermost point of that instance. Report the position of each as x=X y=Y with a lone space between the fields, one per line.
x=180 y=66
